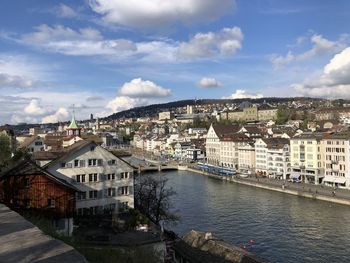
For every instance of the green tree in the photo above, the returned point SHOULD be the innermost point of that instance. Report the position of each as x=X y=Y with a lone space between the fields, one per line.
x=283 y=115
x=5 y=150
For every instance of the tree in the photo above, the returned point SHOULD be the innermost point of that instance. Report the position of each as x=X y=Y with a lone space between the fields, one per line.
x=153 y=198
x=5 y=150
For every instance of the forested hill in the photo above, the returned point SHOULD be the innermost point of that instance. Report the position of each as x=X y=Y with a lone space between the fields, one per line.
x=153 y=109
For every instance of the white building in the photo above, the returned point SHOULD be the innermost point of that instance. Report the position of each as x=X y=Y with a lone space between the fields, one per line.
x=105 y=181
x=337 y=160
x=272 y=157
x=213 y=141
x=32 y=144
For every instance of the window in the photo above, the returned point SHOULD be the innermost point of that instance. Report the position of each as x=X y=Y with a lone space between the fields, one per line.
x=93 y=194
x=92 y=177
x=124 y=175
x=111 y=192
x=51 y=202
x=111 y=162
x=123 y=190
x=82 y=163
x=76 y=163
x=81 y=178
x=26 y=182
x=111 y=176
x=63 y=165
x=92 y=162
x=95 y=162
x=38 y=143
x=81 y=195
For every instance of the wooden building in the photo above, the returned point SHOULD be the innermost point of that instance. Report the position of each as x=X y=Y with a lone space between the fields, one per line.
x=28 y=187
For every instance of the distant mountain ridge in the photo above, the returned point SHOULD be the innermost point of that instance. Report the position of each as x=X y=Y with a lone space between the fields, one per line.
x=151 y=110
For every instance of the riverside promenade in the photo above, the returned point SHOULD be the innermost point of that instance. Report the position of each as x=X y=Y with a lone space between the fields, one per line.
x=318 y=192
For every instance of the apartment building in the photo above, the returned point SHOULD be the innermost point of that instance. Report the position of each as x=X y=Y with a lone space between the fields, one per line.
x=272 y=157
x=215 y=134
x=105 y=181
x=337 y=160
x=307 y=157
x=246 y=158
x=229 y=149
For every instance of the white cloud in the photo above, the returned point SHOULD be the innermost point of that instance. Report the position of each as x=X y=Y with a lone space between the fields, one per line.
x=14 y=81
x=242 y=94
x=15 y=73
x=334 y=82
x=208 y=82
x=138 y=88
x=35 y=108
x=65 y=11
x=159 y=13
x=320 y=47
x=121 y=103
x=61 y=114
x=203 y=45
x=90 y=42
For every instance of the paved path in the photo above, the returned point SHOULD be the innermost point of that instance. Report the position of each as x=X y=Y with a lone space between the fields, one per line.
x=21 y=241
x=302 y=187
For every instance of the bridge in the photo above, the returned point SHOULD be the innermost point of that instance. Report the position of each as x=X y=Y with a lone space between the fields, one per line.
x=155 y=168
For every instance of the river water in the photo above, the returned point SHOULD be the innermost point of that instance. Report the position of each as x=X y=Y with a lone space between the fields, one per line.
x=284 y=228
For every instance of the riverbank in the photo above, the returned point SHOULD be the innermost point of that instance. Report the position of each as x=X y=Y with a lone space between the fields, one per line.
x=302 y=190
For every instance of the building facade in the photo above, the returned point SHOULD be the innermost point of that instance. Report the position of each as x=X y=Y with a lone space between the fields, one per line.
x=105 y=181
x=307 y=158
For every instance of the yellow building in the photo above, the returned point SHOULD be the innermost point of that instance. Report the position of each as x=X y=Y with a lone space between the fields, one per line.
x=307 y=157
x=250 y=112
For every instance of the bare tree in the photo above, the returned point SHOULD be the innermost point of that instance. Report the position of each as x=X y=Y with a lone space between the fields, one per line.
x=153 y=198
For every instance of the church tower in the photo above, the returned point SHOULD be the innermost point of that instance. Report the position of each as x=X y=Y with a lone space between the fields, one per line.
x=73 y=128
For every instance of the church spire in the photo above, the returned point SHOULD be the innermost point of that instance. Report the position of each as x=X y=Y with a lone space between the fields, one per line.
x=73 y=123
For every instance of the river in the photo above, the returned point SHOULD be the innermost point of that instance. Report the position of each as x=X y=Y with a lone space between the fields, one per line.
x=284 y=228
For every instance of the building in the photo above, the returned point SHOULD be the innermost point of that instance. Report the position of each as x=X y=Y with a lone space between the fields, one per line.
x=73 y=129
x=337 y=160
x=195 y=154
x=166 y=115
x=181 y=150
x=32 y=144
x=249 y=113
x=229 y=144
x=307 y=157
x=105 y=182
x=246 y=158
x=215 y=134
x=26 y=186
x=189 y=109
x=272 y=157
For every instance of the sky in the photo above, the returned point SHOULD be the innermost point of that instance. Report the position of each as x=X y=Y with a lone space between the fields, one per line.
x=105 y=56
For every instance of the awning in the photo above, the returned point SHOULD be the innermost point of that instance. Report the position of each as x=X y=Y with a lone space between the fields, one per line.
x=335 y=179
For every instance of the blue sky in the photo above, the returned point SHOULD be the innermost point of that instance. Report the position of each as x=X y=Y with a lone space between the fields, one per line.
x=105 y=56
